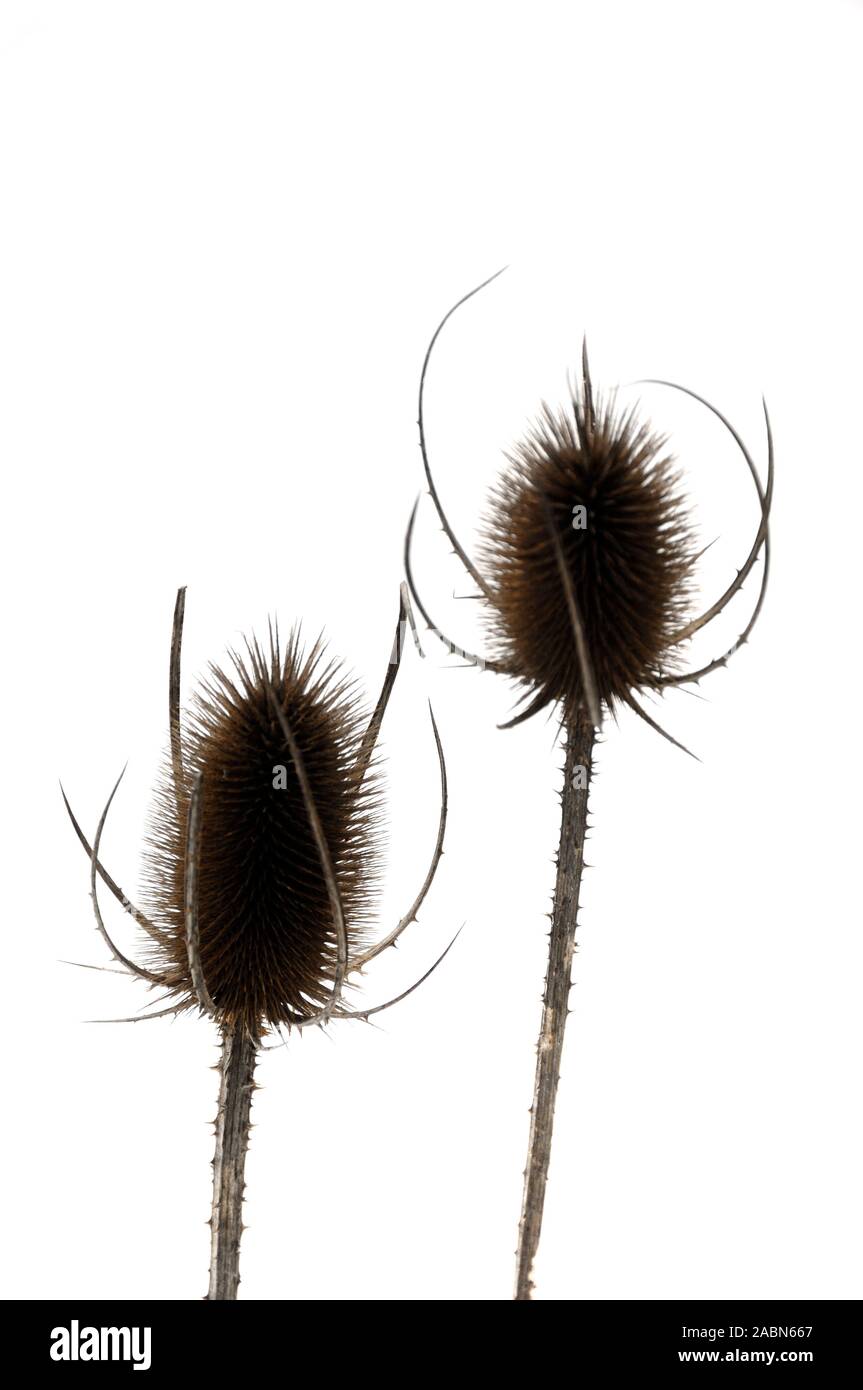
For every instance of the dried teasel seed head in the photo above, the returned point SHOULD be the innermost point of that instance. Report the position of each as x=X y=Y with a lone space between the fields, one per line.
x=267 y=937
x=591 y=490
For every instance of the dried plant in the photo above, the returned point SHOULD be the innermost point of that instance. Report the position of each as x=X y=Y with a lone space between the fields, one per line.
x=588 y=571
x=260 y=871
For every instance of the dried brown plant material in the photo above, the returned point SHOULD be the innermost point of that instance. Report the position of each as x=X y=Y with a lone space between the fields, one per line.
x=260 y=872
x=587 y=572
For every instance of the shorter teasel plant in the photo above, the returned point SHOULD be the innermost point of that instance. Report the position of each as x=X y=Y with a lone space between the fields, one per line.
x=260 y=870
x=588 y=572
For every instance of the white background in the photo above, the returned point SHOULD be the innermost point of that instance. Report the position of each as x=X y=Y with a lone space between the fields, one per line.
x=228 y=232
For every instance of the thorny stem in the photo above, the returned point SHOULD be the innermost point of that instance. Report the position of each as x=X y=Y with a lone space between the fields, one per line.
x=555 y=1004
x=236 y=1068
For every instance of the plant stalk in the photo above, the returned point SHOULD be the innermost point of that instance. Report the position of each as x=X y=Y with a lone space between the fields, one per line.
x=236 y=1070
x=555 y=1004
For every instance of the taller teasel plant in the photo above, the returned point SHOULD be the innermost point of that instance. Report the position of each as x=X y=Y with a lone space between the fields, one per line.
x=260 y=872
x=588 y=567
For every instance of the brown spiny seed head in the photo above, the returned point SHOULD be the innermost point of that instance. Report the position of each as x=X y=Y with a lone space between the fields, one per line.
x=601 y=481
x=268 y=939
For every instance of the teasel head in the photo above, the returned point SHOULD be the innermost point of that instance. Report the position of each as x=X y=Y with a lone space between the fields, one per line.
x=268 y=920
x=260 y=869
x=588 y=571
x=589 y=561
x=590 y=555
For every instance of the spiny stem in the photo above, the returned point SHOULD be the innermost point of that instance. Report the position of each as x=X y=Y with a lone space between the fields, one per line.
x=555 y=1004
x=237 y=1068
